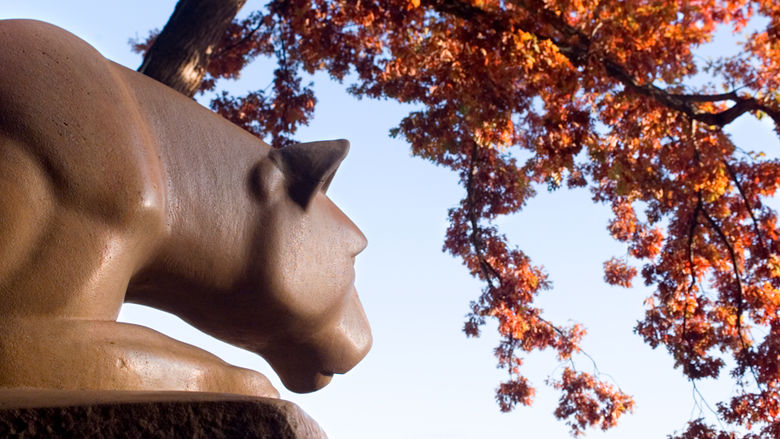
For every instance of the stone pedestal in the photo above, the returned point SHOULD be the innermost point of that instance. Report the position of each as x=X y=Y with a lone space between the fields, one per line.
x=109 y=414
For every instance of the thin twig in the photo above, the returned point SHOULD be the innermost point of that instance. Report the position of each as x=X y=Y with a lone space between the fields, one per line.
x=740 y=304
x=489 y=272
x=706 y=404
x=692 y=267
x=240 y=42
x=749 y=208
x=734 y=263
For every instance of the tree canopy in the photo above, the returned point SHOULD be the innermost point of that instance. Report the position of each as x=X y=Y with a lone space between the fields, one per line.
x=514 y=94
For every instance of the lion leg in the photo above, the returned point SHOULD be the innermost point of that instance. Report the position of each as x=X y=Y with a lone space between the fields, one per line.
x=61 y=256
x=50 y=254
x=100 y=355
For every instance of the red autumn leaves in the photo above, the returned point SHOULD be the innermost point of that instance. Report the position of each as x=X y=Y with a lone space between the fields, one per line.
x=526 y=94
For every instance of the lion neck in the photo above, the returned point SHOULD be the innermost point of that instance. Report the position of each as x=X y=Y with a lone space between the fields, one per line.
x=210 y=208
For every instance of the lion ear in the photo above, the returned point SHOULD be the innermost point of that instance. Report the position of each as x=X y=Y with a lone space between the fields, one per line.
x=309 y=167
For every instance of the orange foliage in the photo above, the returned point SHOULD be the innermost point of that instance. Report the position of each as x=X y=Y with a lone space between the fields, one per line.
x=599 y=93
x=589 y=402
x=617 y=272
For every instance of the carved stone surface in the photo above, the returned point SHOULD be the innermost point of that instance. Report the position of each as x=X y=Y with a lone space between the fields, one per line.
x=48 y=413
x=115 y=188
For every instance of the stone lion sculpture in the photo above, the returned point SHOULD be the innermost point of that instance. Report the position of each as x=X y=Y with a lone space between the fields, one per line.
x=115 y=188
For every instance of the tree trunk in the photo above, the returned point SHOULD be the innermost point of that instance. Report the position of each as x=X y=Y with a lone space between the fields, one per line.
x=180 y=54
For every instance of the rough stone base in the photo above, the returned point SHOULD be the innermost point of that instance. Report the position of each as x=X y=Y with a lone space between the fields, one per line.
x=110 y=414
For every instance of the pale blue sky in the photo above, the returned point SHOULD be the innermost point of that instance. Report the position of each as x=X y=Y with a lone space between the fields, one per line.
x=423 y=378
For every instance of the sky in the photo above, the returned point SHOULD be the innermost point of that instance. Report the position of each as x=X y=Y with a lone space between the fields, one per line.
x=423 y=378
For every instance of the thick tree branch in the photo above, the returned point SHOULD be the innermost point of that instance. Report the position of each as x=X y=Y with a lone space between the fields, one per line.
x=730 y=96
x=685 y=103
x=180 y=54
x=576 y=47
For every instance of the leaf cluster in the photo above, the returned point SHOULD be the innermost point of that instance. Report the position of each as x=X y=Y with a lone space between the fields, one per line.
x=598 y=93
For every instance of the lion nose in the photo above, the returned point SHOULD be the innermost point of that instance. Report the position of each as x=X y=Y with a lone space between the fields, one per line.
x=360 y=241
x=354 y=238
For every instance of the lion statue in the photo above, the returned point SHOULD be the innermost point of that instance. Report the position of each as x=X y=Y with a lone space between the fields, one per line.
x=115 y=188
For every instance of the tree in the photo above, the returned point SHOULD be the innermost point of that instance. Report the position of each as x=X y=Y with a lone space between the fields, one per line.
x=601 y=94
